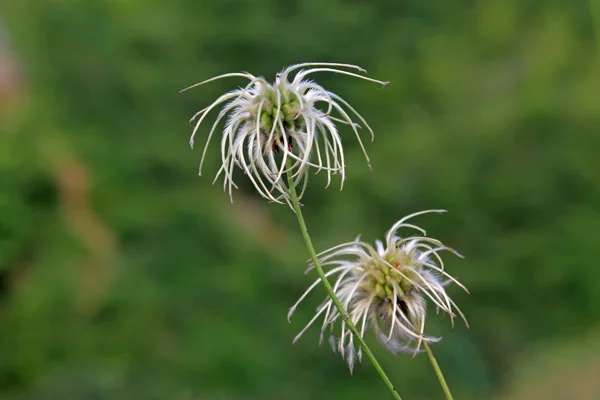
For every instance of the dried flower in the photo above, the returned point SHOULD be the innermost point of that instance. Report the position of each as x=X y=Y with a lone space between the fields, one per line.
x=269 y=124
x=387 y=288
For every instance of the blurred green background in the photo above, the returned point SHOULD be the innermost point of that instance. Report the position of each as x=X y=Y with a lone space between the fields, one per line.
x=124 y=275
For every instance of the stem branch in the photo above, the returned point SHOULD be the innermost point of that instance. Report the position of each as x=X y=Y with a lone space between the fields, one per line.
x=336 y=302
x=438 y=371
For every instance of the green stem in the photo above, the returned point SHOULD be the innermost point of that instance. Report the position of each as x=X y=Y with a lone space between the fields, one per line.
x=327 y=285
x=438 y=371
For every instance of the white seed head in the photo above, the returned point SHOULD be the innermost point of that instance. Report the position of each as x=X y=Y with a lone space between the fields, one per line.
x=386 y=287
x=268 y=125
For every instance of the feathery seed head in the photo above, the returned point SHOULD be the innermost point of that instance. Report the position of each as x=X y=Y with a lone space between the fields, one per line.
x=386 y=287
x=288 y=122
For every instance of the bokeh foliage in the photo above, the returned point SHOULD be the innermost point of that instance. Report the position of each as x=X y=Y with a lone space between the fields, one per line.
x=125 y=276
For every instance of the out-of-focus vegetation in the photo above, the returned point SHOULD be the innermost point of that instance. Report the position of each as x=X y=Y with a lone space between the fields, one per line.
x=123 y=275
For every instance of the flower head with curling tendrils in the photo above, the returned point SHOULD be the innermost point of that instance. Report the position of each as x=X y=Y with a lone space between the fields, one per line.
x=269 y=126
x=386 y=287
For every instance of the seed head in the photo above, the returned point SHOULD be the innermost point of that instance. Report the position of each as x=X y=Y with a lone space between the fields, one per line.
x=386 y=287
x=268 y=125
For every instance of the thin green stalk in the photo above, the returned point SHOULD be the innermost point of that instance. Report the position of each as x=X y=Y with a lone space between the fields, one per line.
x=327 y=285
x=438 y=371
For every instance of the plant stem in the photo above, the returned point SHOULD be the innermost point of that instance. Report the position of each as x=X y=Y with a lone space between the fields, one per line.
x=438 y=371
x=336 y=302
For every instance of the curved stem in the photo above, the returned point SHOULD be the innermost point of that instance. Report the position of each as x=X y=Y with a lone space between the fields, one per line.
x=438 y=371
x=336 y=302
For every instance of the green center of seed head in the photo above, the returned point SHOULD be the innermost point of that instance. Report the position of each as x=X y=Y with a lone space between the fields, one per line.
x=289 y=111
x=384 y=275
